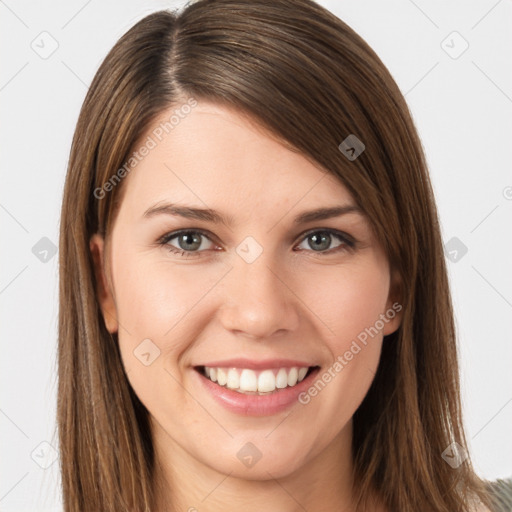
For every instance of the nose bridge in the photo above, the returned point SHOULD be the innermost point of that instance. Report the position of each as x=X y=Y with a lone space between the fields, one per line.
x=258 y=303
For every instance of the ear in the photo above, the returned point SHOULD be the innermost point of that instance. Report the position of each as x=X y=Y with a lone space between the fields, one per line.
x=103 y=289
x=394 y=306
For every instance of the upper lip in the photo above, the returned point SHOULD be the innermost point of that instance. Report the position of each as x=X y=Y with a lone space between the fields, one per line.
x=257 y=365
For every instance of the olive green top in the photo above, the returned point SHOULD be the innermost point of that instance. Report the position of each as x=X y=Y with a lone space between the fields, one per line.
x=501 y=490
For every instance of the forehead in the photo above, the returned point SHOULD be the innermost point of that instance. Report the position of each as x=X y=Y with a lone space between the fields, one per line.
x=218 y=157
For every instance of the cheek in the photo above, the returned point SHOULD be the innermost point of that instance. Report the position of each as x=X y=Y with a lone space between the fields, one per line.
x=161 y=314
x=155 y=295
x=351 y=306
x=153 y=305
x=347 y=299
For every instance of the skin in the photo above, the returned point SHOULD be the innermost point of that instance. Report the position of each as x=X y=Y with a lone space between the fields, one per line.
x=291 y=302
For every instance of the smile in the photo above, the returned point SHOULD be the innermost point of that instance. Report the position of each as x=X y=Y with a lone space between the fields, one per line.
x=249 y=381
x=252 y=388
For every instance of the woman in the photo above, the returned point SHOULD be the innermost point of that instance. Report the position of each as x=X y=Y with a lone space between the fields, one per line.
x=254 y=307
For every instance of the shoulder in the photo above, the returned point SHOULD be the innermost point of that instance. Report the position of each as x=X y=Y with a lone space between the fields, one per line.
x=501 y=492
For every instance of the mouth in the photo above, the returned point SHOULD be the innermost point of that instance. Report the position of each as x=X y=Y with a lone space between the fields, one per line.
x=255 y=389
x=249 y=381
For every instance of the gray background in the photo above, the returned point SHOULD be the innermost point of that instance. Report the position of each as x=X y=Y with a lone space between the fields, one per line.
x=461 y=103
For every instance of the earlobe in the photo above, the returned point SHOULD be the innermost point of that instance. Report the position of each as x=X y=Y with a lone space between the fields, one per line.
x=394 y=306
x=103 y=289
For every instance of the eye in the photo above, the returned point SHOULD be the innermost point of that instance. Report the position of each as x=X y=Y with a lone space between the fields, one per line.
x=186 y=242
x=320 y=241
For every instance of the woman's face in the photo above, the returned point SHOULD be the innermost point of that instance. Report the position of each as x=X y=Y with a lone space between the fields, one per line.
x=253 y=301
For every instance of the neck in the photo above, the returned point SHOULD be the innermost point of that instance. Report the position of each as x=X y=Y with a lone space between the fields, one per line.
x=183 y=483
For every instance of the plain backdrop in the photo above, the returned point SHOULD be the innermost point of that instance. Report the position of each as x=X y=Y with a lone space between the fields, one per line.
x=452 y=62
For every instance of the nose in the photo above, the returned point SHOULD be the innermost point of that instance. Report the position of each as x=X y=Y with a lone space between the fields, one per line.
x=258 y=300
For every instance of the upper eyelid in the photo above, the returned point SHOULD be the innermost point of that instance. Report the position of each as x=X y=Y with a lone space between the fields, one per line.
x=173 y=234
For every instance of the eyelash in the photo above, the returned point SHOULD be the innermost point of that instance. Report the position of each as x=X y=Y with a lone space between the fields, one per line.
x=348 y=243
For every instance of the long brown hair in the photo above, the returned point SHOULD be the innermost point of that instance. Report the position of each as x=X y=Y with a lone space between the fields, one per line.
x=311 y=81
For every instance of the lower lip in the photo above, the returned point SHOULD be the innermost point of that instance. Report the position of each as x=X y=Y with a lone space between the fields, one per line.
x=256 y=405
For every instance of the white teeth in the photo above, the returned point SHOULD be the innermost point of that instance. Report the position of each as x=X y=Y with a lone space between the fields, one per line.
x=266 y=381
x=292 y=377
x=282 y=379
x=222 y=378
x=251 y=381
x=302 y=374
x=248 y=381
x=233 y=379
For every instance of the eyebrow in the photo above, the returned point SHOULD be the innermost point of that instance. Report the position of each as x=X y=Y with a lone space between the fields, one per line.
x=209 y=215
